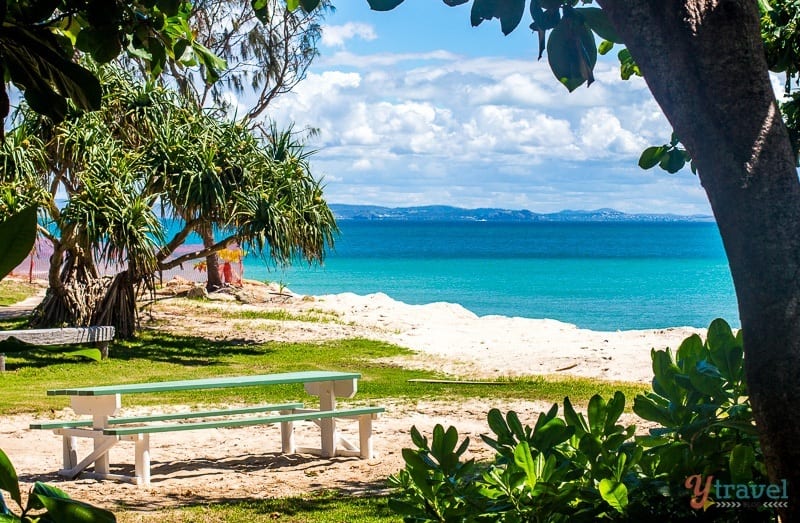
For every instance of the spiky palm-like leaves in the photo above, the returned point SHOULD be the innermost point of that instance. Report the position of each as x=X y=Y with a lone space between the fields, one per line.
x=149 y=151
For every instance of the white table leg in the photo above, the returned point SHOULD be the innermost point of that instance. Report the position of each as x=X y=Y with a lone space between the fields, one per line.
x=287 y=435
x=100 y=408
x=327 y=401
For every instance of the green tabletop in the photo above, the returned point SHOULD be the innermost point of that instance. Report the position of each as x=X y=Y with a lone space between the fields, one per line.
x=209 y=383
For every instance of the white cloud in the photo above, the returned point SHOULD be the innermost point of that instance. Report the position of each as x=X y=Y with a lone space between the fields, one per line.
x=338 y=35
x=435 y=127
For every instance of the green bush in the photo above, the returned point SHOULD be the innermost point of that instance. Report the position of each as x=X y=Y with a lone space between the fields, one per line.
x=587 y=468
x=46 y=504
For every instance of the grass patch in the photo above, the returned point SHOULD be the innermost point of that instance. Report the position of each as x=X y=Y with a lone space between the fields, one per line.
x=156 y=356
x=13 y=291
x=322 y=507
x=312 y=316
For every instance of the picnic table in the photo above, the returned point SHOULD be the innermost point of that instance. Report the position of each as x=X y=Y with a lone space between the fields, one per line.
x=105 y=430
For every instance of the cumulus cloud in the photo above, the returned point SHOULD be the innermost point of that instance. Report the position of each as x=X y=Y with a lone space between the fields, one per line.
x=436 y=127
x=338 y=35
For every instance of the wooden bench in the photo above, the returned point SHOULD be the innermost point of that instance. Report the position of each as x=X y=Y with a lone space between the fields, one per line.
x=100 y=335
x=105 y=430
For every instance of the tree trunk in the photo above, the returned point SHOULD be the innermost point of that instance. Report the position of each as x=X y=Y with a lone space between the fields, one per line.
x=212 y=261
x=704 y=62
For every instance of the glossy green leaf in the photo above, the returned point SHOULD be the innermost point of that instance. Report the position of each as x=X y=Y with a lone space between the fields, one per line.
x=725 y=350
x=574 y=419
x=614 y=493
x=690 y=353
x=17 y=236
x=741 y=463
x=572 y=53
x=524 y=460
x=498 y=424
x=614 y=409
x=598 y=22
x=72 y=511
x=597 y=414
x=651 y=156
x=418 y=439
x=515 y=425
x=8 y=478
x=648 y=408
x=383 y=5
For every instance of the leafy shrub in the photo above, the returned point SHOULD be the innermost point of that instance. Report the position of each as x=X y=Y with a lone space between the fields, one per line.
x=46 y=504
x=582 y=469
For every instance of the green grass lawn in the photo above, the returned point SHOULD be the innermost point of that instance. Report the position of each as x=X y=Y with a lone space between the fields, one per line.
x=157 y=356
x=321 y=507
x=13 y=291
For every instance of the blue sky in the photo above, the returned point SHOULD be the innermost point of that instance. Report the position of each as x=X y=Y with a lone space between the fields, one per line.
x=415 y=107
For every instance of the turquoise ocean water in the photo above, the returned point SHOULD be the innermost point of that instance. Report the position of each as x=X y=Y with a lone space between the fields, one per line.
x=602 y=276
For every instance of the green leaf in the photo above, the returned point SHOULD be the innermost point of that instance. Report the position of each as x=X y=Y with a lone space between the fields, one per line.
x=673 y=161
x=646 y=407
x=574 y=419
x=598 y=22
x=651 y=156
x=36 y=61
x=508 y=11
x=102 y=45
x=741 y=462
x=383 y=5
x=572 y=53
x=8 y=478
x=614 y=410
x=605 y=47
x=614 y=493
x=498 y=424
x=725 y=350
x=418 y=439
x=597 y=414
x=214 y=65
x=309 y=5
x=690 y=353
x=170 y=7
x=291 y=5
x=524 y=459
x=92 y=354
x=17 y=236
x=72 y=511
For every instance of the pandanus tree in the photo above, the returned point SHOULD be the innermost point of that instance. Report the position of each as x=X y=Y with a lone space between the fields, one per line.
x=150 y=152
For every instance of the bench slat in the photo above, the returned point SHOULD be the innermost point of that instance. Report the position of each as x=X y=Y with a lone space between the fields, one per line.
x=149 y=429
x=63 y=336
x=49 y=425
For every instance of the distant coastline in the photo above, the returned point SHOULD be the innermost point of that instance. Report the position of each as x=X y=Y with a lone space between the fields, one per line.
x=449 y=213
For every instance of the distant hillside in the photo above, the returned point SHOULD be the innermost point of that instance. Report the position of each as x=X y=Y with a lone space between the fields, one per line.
x=447 y=213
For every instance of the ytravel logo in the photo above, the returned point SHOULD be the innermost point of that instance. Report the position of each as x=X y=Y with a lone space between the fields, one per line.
x=707 y=492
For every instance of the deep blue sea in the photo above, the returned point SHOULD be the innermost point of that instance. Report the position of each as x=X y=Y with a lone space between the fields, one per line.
x=602 y=276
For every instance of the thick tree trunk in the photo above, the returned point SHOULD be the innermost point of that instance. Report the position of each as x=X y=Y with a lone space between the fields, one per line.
x=212 y=260
x=703 y=60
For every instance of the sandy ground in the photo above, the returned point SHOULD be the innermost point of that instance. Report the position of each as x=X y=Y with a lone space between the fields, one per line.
x=229 y=464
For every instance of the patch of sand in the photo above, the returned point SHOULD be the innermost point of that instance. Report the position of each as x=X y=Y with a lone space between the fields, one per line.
x=245 y=463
